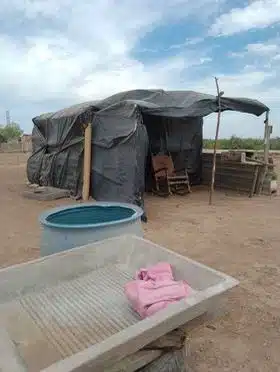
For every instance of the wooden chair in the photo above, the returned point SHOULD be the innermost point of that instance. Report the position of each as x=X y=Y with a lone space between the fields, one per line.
x=167 y=180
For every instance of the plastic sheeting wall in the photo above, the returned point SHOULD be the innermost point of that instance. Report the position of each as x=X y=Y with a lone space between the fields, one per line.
x=120 y=148
x=118 y=173
x=182 y=138
x=55 y=166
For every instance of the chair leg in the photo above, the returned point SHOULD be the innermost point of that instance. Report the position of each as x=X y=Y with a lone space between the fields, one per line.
x=162 y=188
x=168 y=184
x=157 y=185
x=188 y=184
x=169 y=188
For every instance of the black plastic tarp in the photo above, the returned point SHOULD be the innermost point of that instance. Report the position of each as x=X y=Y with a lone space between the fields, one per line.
x=182 y=103
x=126 y=127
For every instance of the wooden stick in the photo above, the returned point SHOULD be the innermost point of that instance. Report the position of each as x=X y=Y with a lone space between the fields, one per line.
x=266 y=138
x=253 y=188
x=219 y=94
x=266 y=151
x=87 y=162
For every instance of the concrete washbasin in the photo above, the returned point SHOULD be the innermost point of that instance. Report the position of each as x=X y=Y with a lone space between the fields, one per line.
x=67 y=312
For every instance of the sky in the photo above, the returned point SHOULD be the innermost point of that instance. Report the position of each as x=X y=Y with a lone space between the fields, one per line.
x=58 y=53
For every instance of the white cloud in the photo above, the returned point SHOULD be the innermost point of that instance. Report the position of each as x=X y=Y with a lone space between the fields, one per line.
x=249 y=82
x=205 y=60
x=263 y=55
x=70 y=51
x=257 y=14
x=236 y=54
x=245 y=82
x=86 y=49
x=263 y=49
x=39 y=70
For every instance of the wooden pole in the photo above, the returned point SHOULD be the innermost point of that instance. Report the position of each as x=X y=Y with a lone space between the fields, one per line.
x=253 y=188
x=219 y=94
x=266 y=138
x=267 y=129
x=87 y=162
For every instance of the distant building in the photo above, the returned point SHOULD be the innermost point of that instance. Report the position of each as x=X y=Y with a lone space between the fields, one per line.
x=26 y=142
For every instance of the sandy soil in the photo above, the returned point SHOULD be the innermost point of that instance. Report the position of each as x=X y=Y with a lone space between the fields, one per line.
x=237 y=235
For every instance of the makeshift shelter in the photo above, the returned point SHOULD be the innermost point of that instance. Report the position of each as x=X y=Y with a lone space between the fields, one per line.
x=124 y=127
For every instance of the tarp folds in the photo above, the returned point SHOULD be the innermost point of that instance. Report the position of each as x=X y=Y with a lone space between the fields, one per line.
x=182 y=103
x=126 y=128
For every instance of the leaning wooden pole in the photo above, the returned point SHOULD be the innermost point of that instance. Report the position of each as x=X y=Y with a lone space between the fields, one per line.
x=87 y=162
x=219 y=94
x=266 y=151
x=266 y=138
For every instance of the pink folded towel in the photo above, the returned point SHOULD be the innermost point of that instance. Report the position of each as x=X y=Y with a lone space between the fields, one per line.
x=160 y=271
x=154 y=288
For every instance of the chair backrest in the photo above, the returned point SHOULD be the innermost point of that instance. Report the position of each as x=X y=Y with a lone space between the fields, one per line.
x=162 y=164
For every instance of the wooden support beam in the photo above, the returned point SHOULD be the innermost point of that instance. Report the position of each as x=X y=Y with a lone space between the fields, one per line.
x=219 y=94
x=267 y=130
x=266 y=138
x=87 y=162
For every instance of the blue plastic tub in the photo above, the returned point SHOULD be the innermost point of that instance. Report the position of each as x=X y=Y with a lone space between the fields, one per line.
x=76 y=225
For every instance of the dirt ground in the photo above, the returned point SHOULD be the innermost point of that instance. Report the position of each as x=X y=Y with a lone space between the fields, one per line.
x=237 y=235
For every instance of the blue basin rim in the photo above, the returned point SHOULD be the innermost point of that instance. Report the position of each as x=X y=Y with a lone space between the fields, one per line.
x=136 y=214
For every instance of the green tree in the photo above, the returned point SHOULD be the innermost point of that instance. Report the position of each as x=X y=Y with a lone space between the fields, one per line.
x=237 y=143
x=10 y=131
x=2 y=138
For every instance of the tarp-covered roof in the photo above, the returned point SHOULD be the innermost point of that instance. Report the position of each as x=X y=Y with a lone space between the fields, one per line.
x=72 y=111
x=163 y=103
x=183 y=103
x=125 y=127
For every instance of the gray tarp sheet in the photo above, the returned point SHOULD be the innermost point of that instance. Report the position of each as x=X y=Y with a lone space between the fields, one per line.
x=182 y=103
x=125 y=126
